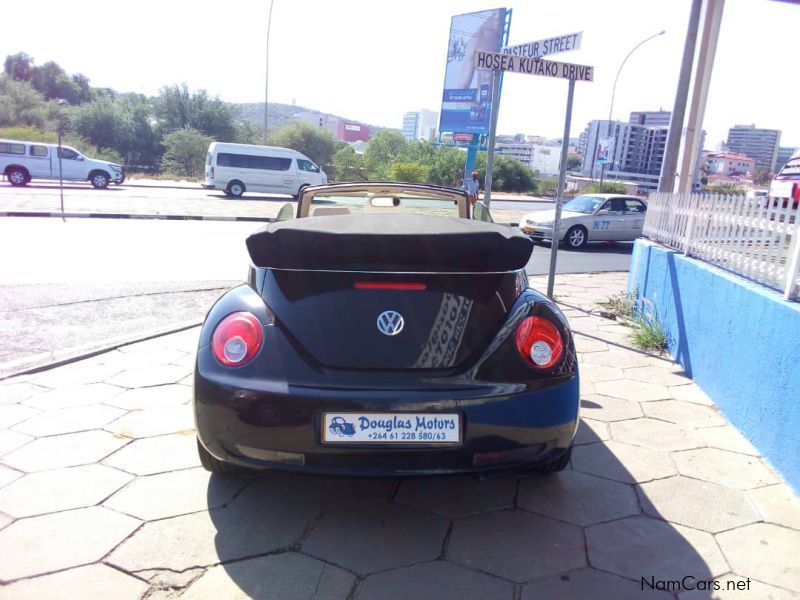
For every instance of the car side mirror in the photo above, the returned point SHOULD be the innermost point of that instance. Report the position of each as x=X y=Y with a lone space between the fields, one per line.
x=603 y=211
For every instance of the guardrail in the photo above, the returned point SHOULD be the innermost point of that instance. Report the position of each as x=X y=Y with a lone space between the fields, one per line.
x=756 y=238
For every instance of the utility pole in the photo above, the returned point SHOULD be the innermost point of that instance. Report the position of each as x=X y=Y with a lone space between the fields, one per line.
x=266 y=84
x=487 y=184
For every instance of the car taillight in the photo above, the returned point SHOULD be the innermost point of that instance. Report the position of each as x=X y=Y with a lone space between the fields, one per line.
x=539 y=342
x=212 y=172
x=796 y=192
x=237 y=339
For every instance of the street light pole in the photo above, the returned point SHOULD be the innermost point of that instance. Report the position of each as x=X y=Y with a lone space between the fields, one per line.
x=266 y=85
x=614 y=93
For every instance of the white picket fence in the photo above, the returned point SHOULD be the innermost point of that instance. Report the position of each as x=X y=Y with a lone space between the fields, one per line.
x=755 y=239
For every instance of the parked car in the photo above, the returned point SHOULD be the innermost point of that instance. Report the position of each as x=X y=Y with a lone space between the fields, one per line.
x=238 y=168
x=22 y=161
x=384 y=330
x=785 y=187
x=589 y=218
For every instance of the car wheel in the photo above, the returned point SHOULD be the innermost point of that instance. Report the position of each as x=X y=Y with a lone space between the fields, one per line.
x=235 y=189
x=17 y=176
x=576 y=237
x=555 y=465
x=213 y=465
x=99 y=180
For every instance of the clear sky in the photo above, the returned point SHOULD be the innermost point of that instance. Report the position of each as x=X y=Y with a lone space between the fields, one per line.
x=372 y=60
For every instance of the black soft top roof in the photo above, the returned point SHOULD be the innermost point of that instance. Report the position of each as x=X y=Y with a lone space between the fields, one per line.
x=394 y=243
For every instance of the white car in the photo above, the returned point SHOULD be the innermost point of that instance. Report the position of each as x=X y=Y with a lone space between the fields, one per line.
x=22 y=161
x=590 y=218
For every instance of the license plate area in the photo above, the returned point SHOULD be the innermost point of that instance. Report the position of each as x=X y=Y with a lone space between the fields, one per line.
x=391 y=428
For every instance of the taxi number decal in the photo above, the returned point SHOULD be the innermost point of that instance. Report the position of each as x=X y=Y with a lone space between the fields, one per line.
x=601 y=224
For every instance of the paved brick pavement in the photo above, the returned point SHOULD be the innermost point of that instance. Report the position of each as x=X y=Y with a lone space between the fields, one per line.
x=101 y=496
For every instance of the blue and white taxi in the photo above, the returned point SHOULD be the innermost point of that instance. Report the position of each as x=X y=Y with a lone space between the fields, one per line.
x=589 y=218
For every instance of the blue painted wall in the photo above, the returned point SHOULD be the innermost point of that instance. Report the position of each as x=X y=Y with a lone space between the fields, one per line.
x=739 y=341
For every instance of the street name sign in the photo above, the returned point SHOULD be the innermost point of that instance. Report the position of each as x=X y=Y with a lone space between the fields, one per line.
x=552 y=45
x=496 y=61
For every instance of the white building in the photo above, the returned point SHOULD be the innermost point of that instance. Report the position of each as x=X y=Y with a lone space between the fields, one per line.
x=420 y=125
x=729 y=164
x=539 y=158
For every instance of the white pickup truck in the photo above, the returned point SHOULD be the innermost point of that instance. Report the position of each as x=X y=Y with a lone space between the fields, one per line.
x=22 y=161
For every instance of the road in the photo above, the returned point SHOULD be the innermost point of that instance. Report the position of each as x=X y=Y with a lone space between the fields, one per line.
x=70 y=286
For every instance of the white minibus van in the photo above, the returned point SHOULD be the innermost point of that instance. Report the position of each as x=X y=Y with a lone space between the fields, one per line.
x=239 y=168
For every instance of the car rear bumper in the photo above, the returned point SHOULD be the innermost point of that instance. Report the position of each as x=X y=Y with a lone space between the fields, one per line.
x=276 y=426
x=208 y=186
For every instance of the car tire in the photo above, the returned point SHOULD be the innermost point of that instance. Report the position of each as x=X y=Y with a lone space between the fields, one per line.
x=236 y=189
x=219 y=467
x=554 y=465
x=99 y=180
x=576 y=237
x=17 y=176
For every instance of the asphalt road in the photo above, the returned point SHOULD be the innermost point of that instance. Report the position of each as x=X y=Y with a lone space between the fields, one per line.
x=70 y=286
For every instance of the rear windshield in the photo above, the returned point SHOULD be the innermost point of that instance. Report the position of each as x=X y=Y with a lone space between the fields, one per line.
x=363 y=202
x=791 y=170
x=251 y=161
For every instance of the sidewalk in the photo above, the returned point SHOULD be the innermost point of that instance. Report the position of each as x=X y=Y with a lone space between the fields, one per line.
x=101 y=495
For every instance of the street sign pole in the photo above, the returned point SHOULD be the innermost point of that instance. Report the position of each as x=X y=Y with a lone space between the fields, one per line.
x=60 y=172
x=562 y=179
x=487 y=184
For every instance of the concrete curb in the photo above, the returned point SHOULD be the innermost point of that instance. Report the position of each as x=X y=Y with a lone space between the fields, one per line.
x=65 y=357
x=74 y=215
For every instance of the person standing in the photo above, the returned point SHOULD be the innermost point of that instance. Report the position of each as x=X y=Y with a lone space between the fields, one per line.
x=472 y=186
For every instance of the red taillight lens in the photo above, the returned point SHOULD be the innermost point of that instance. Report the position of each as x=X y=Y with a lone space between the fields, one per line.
x=796 y=192
x=212 y=172
x=237 y=339
x=539 y=342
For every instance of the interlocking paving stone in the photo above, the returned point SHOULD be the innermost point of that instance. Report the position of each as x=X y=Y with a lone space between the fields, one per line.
x=699 y=504
x=652 y=433
x=618 y=358
x=11 y=440
x=153 y=421
x=156 y=455
x=174 y=493
x=637 y=547
x=622 y=462
x=68 y=450
x=73 y=375
x=727 y=437
x=734 y=587
x=166 y=581
x=723 y=467
x=286 y=576
x=8 y=475
x=69 y=420
x=585 y=344
x=605 y=408
x=777 y=504
x=14 y=391
x=590 y=431
x=597 y=373
x=588 y=583
x=149 y=376
x=433 y=581
x=11 y=414
x=516 y=545
x=60 y=489
x=151 y=397
x=577 y=498
x=635 y=391
x=458 y=497
x=691 y=393
x=659 y=375
x=684 y=413
x=136 y=360
x=760 y=551
x=90 y=582
x=61 y=540
x=374 y=538
x=76 y=395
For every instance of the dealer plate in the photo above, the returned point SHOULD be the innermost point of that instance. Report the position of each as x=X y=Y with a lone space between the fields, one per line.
x=391 y=428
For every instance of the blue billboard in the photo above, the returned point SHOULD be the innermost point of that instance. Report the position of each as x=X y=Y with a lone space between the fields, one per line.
x=467 y=96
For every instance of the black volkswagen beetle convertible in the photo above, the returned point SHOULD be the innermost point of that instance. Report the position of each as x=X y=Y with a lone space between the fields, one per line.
x=385 y=329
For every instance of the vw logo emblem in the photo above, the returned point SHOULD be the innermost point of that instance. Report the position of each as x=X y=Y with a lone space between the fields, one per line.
x=390 y=322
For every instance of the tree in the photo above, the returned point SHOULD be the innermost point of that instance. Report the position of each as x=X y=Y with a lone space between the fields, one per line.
x=177 y=108
x=409 y=172
x=105 y=123
x=762 y=176
x=382 y=150
x=19 y=66
x=608 y=187
x=509 y=174
x=348 y=165
x=185 y=152
x=316 y=143
x=573 y=162
x=447 y=167
x=248 y=132
x=20 y=104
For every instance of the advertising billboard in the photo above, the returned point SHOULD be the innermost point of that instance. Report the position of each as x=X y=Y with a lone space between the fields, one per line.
x=605 y=151
x=466 y=100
